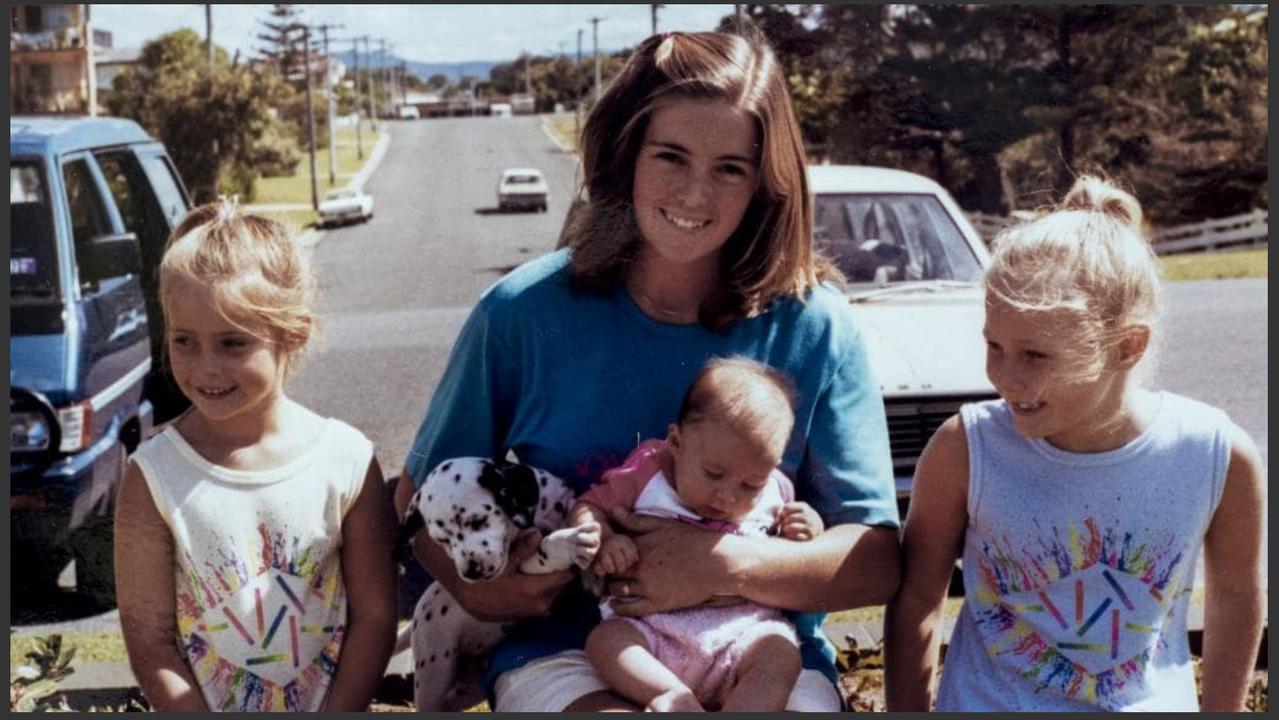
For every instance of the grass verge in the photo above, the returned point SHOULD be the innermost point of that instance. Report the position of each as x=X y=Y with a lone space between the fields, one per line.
x=297 y=187
x=564 y=126
x=1223 y=265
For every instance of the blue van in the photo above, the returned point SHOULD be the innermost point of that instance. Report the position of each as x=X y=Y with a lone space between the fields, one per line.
x=91 y=204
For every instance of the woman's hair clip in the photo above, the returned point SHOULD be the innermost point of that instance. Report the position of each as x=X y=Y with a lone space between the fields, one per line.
x=228 y=207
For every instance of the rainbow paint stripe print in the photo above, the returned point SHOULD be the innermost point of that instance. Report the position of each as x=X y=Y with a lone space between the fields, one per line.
x=1079 y=611
x=262 y=629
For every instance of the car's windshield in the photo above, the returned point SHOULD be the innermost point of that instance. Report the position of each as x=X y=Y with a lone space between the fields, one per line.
x=339 y=194
x=894 y=237
x=33 y=265
x=522 y=179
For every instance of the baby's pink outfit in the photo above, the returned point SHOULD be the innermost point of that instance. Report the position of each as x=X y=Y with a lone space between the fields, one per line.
x=702 y=645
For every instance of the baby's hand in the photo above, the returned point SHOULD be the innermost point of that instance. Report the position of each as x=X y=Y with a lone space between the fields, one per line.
x=586 y=544
x=799 y=521
x=616 y=555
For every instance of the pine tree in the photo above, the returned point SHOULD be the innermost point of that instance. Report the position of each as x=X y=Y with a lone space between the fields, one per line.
x=280 y=48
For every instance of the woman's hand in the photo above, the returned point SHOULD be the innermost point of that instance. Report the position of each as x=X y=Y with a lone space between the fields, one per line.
x=513 y=595
x=664 y=578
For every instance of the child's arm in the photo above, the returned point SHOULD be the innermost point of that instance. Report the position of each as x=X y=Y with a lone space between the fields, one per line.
x=931 y=540
x=369 y=576
x=616 y=552
x=1233 y=612
x=144 y=564
x=799 y=521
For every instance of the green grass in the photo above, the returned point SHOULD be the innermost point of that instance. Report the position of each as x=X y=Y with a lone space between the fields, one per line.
x=102 y=647
x=1217 y=265
x=297 y=187
x=297 y=220
x=564 y=126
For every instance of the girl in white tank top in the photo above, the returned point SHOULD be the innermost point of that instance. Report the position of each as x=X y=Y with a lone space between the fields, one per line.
x=1079 y=501
x=253 y=554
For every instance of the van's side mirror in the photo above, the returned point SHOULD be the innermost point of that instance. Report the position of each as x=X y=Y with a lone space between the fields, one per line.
x=111 y=256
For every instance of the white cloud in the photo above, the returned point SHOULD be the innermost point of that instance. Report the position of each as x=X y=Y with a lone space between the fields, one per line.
x=427 y=33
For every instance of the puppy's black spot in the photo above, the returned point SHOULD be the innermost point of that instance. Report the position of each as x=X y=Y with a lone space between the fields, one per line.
x=446 y=653
x=432 y=657
x=559 y=506
x=484 y=543
x=444 y=611
x=543 y=479
x=457 y=478
x=420 y=663
x=445 y=467
x=427 y=616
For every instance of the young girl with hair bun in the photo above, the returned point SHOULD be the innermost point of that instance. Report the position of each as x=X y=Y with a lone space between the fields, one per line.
x=253 y=553
x=1079 y=500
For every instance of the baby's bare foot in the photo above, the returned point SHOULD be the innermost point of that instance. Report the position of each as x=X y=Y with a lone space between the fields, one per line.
x=677 y=700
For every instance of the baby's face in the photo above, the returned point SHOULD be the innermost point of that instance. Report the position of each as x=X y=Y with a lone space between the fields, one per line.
x=718 y=474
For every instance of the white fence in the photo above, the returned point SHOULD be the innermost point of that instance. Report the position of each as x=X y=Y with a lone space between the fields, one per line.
x=1248 y=229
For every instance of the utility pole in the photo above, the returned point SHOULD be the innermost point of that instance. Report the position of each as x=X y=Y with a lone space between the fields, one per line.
x=368 y=54
x=737 y=17
x=528 y=78
x=386 y=75
x=654 y=8
x=310 y=112
x=595 y=34
x=208 y=49
x=328 y=93
x=355 y=73
x=208 y=34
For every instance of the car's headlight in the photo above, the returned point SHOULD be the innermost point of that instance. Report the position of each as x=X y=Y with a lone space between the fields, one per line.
x=28 y=432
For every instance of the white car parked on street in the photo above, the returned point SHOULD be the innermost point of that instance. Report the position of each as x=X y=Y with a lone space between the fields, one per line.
x=914 y=265
x=345 y=204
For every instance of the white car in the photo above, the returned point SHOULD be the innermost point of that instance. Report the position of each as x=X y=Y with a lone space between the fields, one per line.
x=345 y=204
x=914 y=265
x=522 y=188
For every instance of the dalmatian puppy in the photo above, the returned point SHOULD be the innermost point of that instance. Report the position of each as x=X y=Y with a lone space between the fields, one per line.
x=474 y=508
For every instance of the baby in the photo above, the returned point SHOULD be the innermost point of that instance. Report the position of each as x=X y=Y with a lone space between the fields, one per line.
x=719 y=473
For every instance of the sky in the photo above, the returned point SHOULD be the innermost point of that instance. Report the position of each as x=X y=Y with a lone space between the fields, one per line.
x=425 y=33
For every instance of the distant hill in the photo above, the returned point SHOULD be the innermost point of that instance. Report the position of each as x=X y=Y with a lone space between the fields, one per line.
x=424 y=70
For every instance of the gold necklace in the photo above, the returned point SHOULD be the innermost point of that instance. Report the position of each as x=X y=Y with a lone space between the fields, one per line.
x=653 y=305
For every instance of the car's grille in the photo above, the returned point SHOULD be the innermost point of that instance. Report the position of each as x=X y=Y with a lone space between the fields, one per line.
x=912 y=421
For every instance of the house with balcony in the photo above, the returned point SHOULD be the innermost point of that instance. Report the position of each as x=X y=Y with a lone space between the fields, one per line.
x=51 y=60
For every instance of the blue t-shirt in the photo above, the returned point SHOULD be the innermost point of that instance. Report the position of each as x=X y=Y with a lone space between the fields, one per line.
x=573 y=381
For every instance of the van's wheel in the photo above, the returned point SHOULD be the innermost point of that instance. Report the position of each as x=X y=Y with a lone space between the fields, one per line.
x=93 y=543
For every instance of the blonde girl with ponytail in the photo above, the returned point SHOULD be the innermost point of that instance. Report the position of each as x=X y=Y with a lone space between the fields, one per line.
x=1079 y=500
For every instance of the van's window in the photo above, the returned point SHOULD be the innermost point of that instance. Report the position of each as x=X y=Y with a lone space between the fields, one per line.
x=910 y=236
x=168 y=190
x=33 y=266
x=88 y=212
x=139 y=207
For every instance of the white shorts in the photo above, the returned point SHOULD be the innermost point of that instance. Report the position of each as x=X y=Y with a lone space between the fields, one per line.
x=552 y=683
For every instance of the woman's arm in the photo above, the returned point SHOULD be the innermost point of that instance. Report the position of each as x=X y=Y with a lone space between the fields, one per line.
x=509 y=596
x=931 y=541
x=368 y=574
x=846 y=566
x=144 y=564
x=1234 y=607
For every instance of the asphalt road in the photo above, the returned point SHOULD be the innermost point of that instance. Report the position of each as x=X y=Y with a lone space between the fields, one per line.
x=396 y=290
